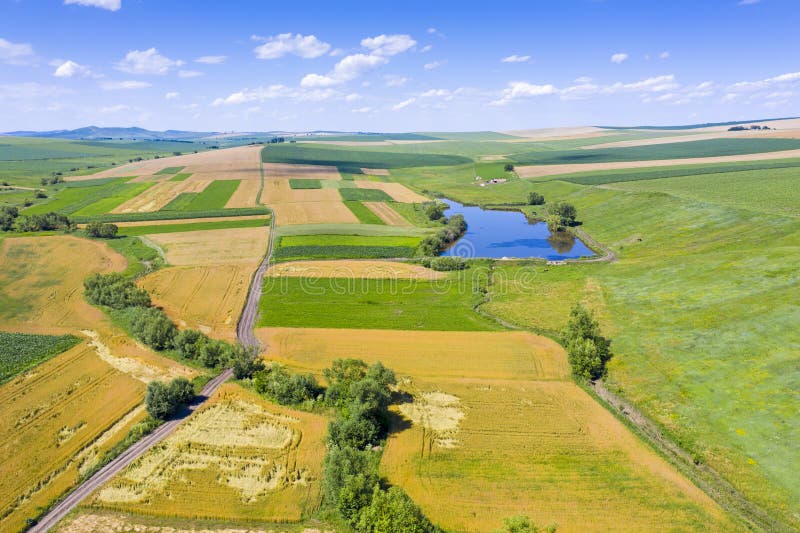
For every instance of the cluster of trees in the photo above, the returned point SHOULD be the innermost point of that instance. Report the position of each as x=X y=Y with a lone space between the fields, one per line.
x=445 y=264
x=164 y=400
x=115 y=291
x=587 y=350
x=561 y=215
x=534 y=198
x=102 y=230
x=11 y=220
x=434 y=210
x=745 y=128
x=154 y=328
x=56 y=178
x=435 y=244
x=508 y=167
x=276 y=383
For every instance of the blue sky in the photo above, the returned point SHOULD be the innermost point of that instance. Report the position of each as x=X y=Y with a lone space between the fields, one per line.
x=395 y=66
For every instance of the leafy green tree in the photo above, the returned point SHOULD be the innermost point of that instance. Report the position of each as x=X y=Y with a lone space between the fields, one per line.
x=534 y=198
x=358 y=430
x=181 y=391
x=7 y=216
x=508 y=167
x=151 y=326
x=102 y=230
x=349 y=478
x=246 y=362
x=115 y=291
x=587 y=350
x=392 y=511
x=523 y=524
x=278 y=384
x=187 y=342
x=158 y=401
x=434 y=210
x=566 y=212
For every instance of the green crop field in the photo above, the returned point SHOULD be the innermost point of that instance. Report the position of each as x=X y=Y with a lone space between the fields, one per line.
x=180 y=177
x=371 y=137
x=135 y=231
x=296 y=183
x=349 y=229
x=21 y=351
x=170 y=215
x=348 y=240
x=364 y=195
x=215 y=196
x=375 y=304
x=120 y=195
x=704 y=148
x=68 y=200
x=363 y=213
x=313 y=251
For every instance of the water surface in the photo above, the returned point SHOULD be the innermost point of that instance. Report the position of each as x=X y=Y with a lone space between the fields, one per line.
x=498 y=234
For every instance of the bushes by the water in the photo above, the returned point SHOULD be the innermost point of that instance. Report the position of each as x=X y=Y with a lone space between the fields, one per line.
x=438 y=242
x=445 y=264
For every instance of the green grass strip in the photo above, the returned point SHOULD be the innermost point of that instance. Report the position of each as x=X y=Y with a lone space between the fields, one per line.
x=135 y=231
x=297 y=183
x=293 y=253
x=348 y=240
x=364 y=195
x=169 y=170
x=180 y=202
x=180 y=177
x=363 y=213
x=172 y=215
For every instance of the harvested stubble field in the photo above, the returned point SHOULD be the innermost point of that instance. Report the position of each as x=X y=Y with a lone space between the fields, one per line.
x=170 y=226
x=237 y=458
x=201 y=220
x=159 y=195
x=290 y=171
x=354 y=269
x=375 y=171
x=506 y=432
x=397 y=191
x=208 y=298
x=64 y=414
x=313 y=213
x=388 y=215
x=213 y=247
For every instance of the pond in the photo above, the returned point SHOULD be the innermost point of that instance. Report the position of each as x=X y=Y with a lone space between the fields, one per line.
x=499 y=234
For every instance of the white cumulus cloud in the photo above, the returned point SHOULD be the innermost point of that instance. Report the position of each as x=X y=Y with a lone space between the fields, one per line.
x=211 y=60
x=147 y=62
x=15 y=53
x=523 y=89
x=515 y=59
x=172 y=95
x=123 y=85
x=388 y=45
x=433 y=65
x=70 y=69
x=404 y=103
x=349 y=68
x=276 y=46
x=619 y=57
x=111 y=5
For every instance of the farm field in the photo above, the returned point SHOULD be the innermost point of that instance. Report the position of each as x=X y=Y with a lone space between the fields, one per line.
x=386 y=214
x=209 y=247
x=493 y=465
x=237 y=458
x=210 y=224
x=21 y=351
x=353 y=269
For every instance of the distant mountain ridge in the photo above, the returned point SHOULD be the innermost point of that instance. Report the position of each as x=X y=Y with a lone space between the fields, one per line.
x=96 y=132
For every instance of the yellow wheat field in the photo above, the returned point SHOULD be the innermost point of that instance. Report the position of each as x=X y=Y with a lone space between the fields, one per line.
x=398 y=191
x=212 y=247
x=312 y=213
x=159 y=195
x=288 y=170
x=187 y=221
x=237 y=458
x=56 y=421
x=367 y=269
x=499 y=448
x=451 y=354
x=245 y=194
x=387 y=214
x=208 y=298
x=240 y=163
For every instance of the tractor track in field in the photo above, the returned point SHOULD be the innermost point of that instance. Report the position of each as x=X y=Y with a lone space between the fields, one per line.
x=247 y=338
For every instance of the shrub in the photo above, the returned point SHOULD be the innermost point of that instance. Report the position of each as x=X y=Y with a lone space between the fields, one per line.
x=438 y=242
x=587 y=350
x=163 y=400
x=246 y=363
x=508 y=167
x=7 y=216
x=522 y=524
x=534 y=198
x=187 y=342
x=348 y=480
x=286 y=389
x=445 y=264
x=393 y=510
x=115 y=291
x=434 y=210
x=152 y=326
x=102 y=230
x=566 y=212
x=46 y=222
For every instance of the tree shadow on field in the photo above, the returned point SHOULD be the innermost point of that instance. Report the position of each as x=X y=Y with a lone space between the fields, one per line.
x=397 y=422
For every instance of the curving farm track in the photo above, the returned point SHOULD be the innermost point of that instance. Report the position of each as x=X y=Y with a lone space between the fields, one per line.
x=244 y=332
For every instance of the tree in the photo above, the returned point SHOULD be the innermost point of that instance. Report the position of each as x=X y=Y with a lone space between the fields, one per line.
x=434 y=210
x=157 y=400
x=246 y=362
x=392 y=511
x=102 y=230
x=151 y=326
x=508 y=167
x=7 y=216
x=534 y=198
x=566 y=212
x=348 y=480
x=181 y=391
x=587 y=350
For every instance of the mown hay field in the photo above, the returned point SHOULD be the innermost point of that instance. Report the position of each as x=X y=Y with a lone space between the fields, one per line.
x=353 y=269
x=63 y=415
x=388 y=215
x=333 y=212
x=208 y=298
x=237 y=458
x=211 y=247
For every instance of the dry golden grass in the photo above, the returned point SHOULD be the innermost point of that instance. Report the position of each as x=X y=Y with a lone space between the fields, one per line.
x=245 y=194
x=208 y=298
x=56 y=421
x=387 y=214
x=538 y=171
x=240 y=163
x=398 y=191
x=450 y=354
x=313 y=213
x=159 y=195
x=213 y=247
x=288 y=170
x=188 y=220
x=105 y=522
x=354 y=269
x=276 y=191
x=315 y=195
x=541 y=448
x=375 y=171
x=237 y=458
